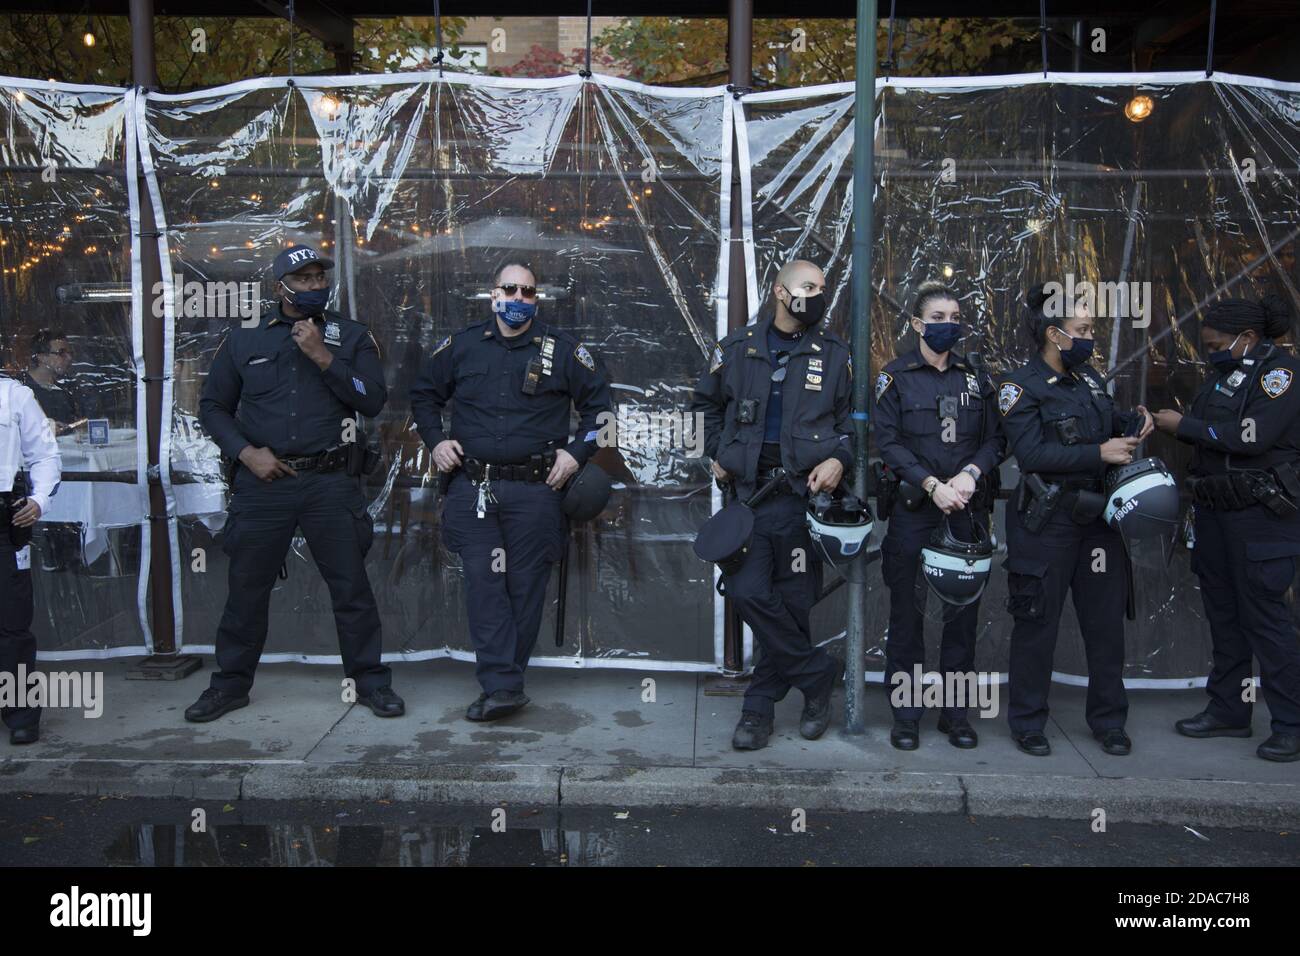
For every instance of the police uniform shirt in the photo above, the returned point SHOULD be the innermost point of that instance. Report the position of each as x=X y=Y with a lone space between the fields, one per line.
x=284 y=401
x=1039 y=405
x=816 y=401
x=493 y=419
x=27 y=442
x=1251 y=415
x=909 y=426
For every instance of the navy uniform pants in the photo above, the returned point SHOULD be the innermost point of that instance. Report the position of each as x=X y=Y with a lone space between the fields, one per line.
x=1088 y=561
x=17 y=645
x=1246 y=561
x=900 y=552
x=507 y=555
x=774 y=591
x=330 y=509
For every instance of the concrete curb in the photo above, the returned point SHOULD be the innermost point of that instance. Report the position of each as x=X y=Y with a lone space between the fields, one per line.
x=1203 y=803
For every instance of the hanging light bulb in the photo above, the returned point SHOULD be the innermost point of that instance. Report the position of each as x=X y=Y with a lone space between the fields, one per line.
x=88 y=37
x=1139 y=108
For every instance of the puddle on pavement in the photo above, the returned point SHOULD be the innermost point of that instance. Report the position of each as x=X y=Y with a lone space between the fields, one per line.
x=149 y=844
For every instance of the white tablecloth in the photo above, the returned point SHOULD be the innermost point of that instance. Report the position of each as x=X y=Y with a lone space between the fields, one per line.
x=97 y=505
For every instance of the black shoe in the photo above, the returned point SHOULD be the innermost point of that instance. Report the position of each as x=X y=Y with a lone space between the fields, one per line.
x=960 y=732
x=475 y=710
x=752 y=732
x=1114 y=741
x=1205 y=724
x=816 y=715
x=905 y=734
x=1033 y=742
x=211 y=704
x=1280 y=747
x=383 y=702
x=503 y=703
x=29 y=735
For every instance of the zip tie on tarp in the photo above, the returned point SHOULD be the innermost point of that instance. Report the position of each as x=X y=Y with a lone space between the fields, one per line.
x=437 y=33
x=585 y=72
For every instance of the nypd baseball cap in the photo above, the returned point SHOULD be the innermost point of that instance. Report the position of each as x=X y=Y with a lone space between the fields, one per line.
x=295 y=258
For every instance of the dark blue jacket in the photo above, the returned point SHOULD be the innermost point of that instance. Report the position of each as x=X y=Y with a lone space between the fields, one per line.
x=263 y=391
x=483 y=373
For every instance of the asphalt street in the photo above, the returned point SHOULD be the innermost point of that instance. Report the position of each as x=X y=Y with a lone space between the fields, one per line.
x=106 y=831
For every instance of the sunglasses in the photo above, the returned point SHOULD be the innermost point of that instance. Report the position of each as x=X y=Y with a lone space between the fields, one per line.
x=510 y=288
x=782 y=360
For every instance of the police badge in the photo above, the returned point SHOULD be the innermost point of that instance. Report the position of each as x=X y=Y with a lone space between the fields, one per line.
x=1276 y=381
x=333 y=333
x=1008 y=395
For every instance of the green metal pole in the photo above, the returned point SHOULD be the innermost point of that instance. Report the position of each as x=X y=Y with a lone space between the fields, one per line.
x=863 y=194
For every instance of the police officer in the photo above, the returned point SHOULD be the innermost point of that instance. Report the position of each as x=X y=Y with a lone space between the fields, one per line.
x=26 y=441
x=778 y=395
x=505 y=458
x=937 y=430
x=1245 y=479
x=1063 y=428
x=283 y=400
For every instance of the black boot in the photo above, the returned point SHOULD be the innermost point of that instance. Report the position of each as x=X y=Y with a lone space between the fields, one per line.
x=960 y=733
x=1205 y=724
x=211 y=704
x=1280 y=747
x=383 y=702
x=905 y=734
x=752 y=732
x=817 y=707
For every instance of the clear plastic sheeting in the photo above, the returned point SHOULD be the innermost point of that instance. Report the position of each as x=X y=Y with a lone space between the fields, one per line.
x=1170 y=188
x=66 y=331
x=419 y=188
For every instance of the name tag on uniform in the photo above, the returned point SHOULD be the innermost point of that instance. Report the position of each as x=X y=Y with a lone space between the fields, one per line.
x=333 y=333
x=258 y=360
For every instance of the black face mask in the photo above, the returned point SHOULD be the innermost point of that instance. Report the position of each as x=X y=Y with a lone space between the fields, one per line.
x=808 y=309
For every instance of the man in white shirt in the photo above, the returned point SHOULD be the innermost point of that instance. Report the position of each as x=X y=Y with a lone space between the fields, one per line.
x=26 y=442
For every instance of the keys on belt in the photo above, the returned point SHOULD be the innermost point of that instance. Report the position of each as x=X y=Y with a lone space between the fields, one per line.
x=534 y=470
x=482 y=473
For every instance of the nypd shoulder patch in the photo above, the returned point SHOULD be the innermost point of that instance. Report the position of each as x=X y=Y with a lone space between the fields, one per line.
x=1008 y=395
x=883 y=381
x=583 y=356
x=442 y=345
x=716 y=363
x=1276 y=381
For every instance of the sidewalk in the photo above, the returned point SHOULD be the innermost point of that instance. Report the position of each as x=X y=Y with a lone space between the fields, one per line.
x=587 y=739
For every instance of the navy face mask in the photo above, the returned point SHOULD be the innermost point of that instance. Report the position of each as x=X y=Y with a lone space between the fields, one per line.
x=311 y=302
x=942 y=336
x=1079 y=351
x=1223 y=360
x=515 y=312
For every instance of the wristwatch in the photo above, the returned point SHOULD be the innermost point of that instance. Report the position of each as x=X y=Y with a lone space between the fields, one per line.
x=973 y=472
x=929 y=485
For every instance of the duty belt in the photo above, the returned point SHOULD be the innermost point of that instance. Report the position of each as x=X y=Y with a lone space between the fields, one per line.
x=536 y=469
x=1238 y=490
x=331 y=460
